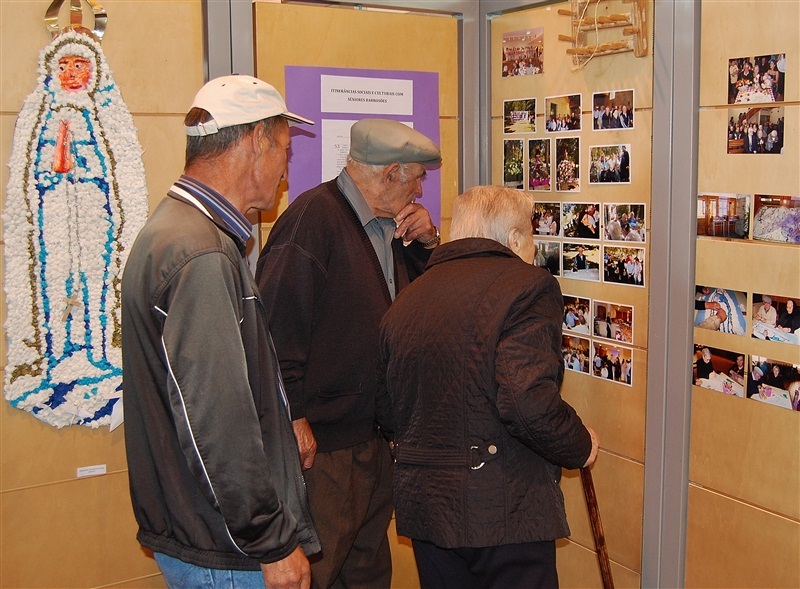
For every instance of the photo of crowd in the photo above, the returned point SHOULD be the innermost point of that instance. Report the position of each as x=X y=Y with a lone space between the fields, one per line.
x=581 y=220
x=776 y=318
x=774 y=382
x=568 y=150
x=610 y=164
x=581 y=261
x=776 y=218
x=576 y=314
x=519 y=116
x=755 y=130
x=719 y=309
x=624 y=222
x=719 y=370
x=723 y=215
x=623 y=265
x=512 y=163
x=546 y=219
x=613 y=321
x=548 y=255
x=612 y=110
x=575 y=351
x=563 y=113
x=539 y=164
x=757 y=79
x=523 y=52
x=612 y=362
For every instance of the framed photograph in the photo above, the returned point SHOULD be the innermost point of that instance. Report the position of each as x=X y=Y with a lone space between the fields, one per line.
x=756 y=79
x=774 y=382
x=776 y=318
x=613 y=321
x=624 y=222
x=624 y=265
x=576 y=354
x=562 y=113
x=581 y=261
x=548 y=255
x=513 y=163
x=568 y=160
x=581 y=220
x=612 y=362
x=519 y=116
x=720 y=370
x=539 y=164
x=577 y=314
x=776 y=218
x=523 y=52
x=546 y=219
x=723 y=215
x=720 y=309
x=610 y=164
x=612 y=110
x=755 y=130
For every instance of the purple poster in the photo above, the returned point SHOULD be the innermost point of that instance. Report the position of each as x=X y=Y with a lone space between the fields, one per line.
x=335 y=98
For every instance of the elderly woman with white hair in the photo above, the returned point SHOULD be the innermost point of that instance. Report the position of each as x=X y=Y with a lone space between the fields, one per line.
x=471 y=376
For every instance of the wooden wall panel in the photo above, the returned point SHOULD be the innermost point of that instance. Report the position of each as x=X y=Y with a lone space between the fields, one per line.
x=578 y=567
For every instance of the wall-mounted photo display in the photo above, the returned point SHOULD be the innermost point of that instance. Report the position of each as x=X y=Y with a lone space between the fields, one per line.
x=577 y=314
x=539 y=164
x=776 y=218
x=624 y=265
x=548 y=255
x=720 y=309
x=519 y=116
x=562 y=113
x=776 y=318
x=613 y=321
x=756 y=79
x=612 y=110
x=576 y=354
x=581 y=220
x=546 y=219
x=612 y=362
x=723 y=215
x=774 y=382
x=513 y=163
x=719 y=370
x=624 y=222
x=568 y=159
x=610 y=164
x=581 y=261
x=755 y=130
x=523 y=52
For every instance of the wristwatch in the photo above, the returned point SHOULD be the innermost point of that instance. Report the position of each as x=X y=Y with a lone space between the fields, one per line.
x=433 y=241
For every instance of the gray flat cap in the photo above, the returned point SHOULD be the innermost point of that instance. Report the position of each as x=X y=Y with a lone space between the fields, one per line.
x=384 y=141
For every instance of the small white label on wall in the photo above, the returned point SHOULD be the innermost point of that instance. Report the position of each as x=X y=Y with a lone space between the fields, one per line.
x=90 y=471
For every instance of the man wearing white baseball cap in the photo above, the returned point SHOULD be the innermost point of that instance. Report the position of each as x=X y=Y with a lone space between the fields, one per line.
x=214 y=469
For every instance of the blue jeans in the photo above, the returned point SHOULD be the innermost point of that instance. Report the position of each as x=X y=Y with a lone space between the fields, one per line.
x=182 y=575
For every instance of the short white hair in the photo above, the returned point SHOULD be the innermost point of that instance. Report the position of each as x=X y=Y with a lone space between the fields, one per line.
x=491 y=212
x=375 y=170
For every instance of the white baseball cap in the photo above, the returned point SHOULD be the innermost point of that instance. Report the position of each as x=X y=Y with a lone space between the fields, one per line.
x=237 y=100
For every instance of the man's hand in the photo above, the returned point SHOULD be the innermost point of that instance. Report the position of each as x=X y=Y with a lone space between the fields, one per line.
x=414 y=222
x=306 y=442
x=595 y=448
x=293 y=572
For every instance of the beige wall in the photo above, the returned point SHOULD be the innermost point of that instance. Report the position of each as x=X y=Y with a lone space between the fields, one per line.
x=57 y=530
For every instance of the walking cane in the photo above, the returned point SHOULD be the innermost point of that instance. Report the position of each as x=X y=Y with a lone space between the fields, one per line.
x=597 y=528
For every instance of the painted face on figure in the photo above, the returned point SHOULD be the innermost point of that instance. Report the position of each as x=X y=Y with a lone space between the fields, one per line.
x=790 y=306
x=74 y=72
x=739 y=361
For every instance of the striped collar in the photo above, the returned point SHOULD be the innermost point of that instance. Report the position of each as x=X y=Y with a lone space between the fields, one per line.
x=194 y=191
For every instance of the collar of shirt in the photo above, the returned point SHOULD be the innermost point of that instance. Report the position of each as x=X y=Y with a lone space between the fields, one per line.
x=355 y=198
x=230 y=216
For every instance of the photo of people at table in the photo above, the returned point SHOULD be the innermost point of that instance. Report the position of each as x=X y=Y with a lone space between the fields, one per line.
x=546 y=219
x=720 y=370
x=523 y=52
x=774 y=382
x=624 y=265
x=610 y=164
x=612 y=362
x=756 y=79
x=755 y=130
x=581 y=220
x=612 y=110
x=562 y=113
x=624 y=222
x=512 y=163
x=548 y=255
x=613 y=321
x=575 y=352
x=720 y=309
x=776 y=218
x=776 y=318
x=723 y=215
x=577 y=314
x=581 y=261
x=519 y=116
x=539 y=164
x=568 y=159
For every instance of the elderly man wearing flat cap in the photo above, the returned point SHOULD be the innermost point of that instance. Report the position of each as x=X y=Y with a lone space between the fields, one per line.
x=332 y=265
x=215 y=475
